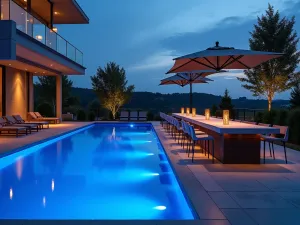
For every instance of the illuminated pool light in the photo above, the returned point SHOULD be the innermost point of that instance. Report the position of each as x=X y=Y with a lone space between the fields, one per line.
x=151 y=174
x=131 y=125
x=160 y=207
x=150 y=154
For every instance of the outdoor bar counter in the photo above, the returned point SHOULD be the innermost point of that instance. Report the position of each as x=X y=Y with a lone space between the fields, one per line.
x=236 y=143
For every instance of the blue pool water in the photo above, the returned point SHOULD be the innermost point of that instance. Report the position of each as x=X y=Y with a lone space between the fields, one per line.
x=105 y=171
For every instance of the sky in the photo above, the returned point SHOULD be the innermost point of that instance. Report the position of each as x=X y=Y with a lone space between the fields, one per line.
x=144 y=36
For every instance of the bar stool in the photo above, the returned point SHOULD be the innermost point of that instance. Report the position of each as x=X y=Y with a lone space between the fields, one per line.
x=202 y=137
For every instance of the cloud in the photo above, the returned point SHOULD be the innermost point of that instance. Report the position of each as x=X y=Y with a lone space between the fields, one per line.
x=202 y=16
x=233 y=74
x=163 y=59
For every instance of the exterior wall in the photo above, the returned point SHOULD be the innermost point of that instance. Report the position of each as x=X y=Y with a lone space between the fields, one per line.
x=16 y=92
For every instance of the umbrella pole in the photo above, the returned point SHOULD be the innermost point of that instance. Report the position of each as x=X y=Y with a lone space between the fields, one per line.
x=191 y=97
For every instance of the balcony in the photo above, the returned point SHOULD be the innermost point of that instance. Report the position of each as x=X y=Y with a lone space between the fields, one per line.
x=34 y=28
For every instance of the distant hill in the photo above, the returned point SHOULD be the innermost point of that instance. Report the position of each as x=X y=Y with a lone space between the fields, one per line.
x=173 y=102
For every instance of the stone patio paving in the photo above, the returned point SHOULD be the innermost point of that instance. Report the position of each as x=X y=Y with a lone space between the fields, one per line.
x=239 y=194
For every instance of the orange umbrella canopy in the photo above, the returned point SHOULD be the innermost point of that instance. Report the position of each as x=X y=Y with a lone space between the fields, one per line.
x=183 y=79
x=218 y=58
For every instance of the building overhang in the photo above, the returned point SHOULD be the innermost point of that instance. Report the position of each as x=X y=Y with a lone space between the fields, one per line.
x=26 y=53
x=65 y=11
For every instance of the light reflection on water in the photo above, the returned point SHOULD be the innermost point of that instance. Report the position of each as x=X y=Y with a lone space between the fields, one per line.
x=104 y=172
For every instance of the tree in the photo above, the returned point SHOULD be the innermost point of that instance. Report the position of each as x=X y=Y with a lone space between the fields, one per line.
x=46 y=89
x=274 y=34
x=295 y=96
x=226 y=101
x=110 y=84
x=226 y=104
x=213 y=110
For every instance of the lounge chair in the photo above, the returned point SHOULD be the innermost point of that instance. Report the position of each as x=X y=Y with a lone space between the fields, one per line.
x=124 y=116
x=14 y=129
x=142 y=115
x=6 y=122
x=20 y=120
x=133 y=116
x=54 y=119
x=33 y=118
x=12 y=121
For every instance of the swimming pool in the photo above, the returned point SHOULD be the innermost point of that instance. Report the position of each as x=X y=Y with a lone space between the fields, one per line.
x=104 y=171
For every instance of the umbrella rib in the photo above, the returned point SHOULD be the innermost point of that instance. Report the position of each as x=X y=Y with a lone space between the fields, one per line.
x=181 y=76
x=244 y=64
x=209 y=62
x=170 y=71
x=198 y=75
x=226 y=62
x=203 y=64
x=234 y=60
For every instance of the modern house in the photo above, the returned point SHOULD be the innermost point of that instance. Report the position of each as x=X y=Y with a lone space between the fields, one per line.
x=30 y=46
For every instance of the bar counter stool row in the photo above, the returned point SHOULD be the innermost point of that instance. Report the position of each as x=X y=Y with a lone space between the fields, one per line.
x=188 y=135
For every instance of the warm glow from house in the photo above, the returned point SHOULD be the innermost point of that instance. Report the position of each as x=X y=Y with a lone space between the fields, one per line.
x=54 y=29
x=187 y=111
x=226 y=117
x=193 y=112
x=182 y=110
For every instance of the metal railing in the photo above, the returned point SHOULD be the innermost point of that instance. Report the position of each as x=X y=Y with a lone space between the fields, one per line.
x=36 y=29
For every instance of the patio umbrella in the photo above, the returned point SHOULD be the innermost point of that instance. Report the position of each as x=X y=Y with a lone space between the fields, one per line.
x=218 y=58
x=183 y=79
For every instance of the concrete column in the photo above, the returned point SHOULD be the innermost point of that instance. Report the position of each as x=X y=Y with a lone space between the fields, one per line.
x=31 y=93
x=58 y=96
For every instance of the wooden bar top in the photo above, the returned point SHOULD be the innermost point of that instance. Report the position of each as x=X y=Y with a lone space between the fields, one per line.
x=234 y=127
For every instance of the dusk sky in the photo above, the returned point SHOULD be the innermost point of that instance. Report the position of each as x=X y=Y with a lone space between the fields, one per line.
x=144 y=36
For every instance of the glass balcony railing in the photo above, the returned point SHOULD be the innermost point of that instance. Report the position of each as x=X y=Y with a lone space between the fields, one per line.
x=36 y=29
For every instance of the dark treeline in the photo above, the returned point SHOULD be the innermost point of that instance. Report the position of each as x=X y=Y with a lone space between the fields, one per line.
x=156 y=102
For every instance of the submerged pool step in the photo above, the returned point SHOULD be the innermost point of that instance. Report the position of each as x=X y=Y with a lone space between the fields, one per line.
x=166 y=178
x=162 y=157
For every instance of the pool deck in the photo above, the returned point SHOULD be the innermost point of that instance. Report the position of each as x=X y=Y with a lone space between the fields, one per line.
x=220 y=194
x=9 y=143
x=239 y=194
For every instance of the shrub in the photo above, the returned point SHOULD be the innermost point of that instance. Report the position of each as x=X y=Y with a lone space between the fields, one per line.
x=91 y=116
x=71 y=109
x=269 y=117
x=45 y=109
x=94 y=106
x=81 y=116
x=259 y=117
x=150 y=116
x=157 y=118
x=281 y=118
x=293 y=123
